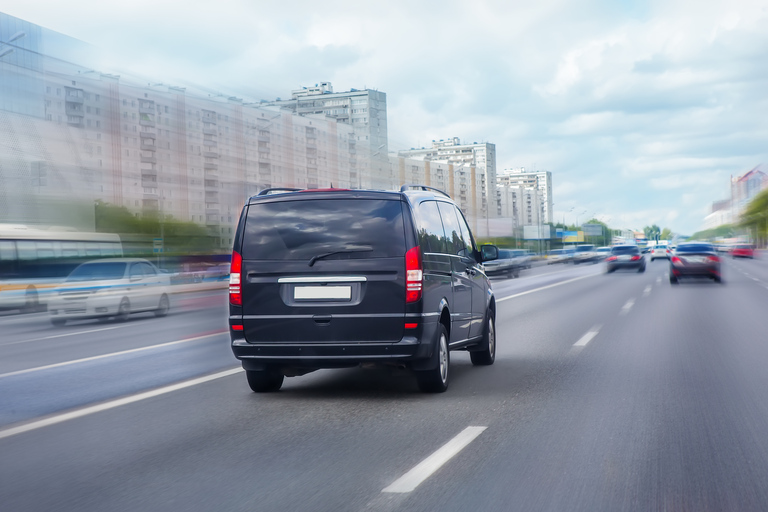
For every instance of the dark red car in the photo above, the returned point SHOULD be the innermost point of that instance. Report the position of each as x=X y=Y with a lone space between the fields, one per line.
x=743 y=251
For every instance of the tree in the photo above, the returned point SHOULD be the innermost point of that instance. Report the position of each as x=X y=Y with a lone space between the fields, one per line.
x=651 y=232
x=666 y=234
x=138 y=232
x=755 y=217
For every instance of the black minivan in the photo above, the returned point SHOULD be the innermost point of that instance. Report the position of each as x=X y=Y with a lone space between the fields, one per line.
x=333 y=278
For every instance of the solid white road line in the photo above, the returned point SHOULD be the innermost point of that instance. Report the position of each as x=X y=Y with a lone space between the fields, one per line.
x=625 y=309
x=647 y=291
x=412 y=479
x=59 y=418
x=64 y=335
x=113 y=354
x=588 y=336
x=502 y=299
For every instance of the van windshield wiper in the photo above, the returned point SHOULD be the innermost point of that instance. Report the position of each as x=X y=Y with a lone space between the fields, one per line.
x=341 y=251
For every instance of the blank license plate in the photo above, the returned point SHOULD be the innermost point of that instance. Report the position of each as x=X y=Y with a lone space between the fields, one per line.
x=322 y=292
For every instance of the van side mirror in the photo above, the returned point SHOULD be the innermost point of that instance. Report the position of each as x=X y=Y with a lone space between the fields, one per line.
x=489 y=252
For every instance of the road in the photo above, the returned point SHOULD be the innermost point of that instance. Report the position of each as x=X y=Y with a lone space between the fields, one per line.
x=609 y=392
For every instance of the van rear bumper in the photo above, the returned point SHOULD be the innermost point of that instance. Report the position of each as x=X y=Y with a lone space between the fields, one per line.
x=259 y=356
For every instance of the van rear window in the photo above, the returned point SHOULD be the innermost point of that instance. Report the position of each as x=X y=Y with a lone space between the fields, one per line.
x=301 y=230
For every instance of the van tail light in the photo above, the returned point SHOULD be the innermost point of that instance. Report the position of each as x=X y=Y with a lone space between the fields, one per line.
x=235 y=275
x=676 y=260
x=612 y=258
x=635 y=257
x=413 y=275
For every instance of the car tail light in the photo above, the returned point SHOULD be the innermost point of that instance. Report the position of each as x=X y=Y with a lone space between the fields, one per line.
x=611 y=258
x=413 y=275
x=635 y=257
x=235 y=274
x=713 y=259
x=676 y=260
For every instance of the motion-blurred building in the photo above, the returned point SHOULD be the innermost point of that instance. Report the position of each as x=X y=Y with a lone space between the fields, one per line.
x=744 y=188
x=70 y=135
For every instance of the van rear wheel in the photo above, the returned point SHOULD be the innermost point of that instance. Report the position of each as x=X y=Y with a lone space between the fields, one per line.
x=264 y=381
x=487 y=354
x=435 y=380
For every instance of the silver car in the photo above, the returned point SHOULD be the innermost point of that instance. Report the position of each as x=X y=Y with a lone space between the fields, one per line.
x=110 y=288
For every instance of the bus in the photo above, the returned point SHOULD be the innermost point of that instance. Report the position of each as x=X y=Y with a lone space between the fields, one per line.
x=35 y=260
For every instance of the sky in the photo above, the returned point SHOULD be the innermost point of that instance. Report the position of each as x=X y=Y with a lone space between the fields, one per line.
x=641 y=110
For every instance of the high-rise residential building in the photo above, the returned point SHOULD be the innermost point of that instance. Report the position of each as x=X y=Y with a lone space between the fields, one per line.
x=365 y=110
x=541 y=180
x=478 y=156
x=460 y=181
x=71 y=134
x=520 y=205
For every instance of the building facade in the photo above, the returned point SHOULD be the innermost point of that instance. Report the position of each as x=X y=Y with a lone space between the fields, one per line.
x=540 y=180
x=478 y=156
x=365 y=111
x=72 y=135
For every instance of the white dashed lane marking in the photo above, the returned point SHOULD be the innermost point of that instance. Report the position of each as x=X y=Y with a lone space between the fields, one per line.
x=413 y=478
x=647 y=291
x=625 y=309
x=588 y=336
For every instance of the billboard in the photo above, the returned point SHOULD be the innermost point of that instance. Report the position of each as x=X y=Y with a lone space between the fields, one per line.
x=592 y=229
x=536 y=232
x=573 y=236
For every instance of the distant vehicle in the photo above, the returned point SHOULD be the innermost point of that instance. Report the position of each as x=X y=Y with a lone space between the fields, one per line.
x=694 y=259
x=33 y=261
x=558 y=256
x=603 y=253
x=110 y=288
x=510 y=262
x=585 y=254
x=742 y=251
x=526 y=257
x=659 y=251
x=625 y=256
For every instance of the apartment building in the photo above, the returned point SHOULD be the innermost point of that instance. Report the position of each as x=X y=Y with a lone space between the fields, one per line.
x=540 y=180
x=478 y=156
x=78 y=135
x=365 y=111
x=462 y=182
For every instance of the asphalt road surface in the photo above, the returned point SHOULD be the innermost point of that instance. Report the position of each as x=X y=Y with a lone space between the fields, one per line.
x=610 y=392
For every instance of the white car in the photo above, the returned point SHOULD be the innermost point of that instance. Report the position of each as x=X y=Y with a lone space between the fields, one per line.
x=108 y=288
x=660 y=251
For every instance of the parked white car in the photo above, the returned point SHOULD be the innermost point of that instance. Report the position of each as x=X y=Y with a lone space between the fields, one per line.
x=110 y=288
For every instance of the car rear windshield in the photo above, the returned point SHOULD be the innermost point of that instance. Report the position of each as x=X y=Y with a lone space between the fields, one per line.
x=625 y=249
x=585 y=248
x=97 y=271
x=301 y=230
x=695 y=248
